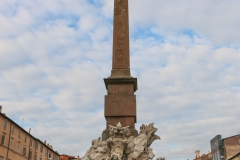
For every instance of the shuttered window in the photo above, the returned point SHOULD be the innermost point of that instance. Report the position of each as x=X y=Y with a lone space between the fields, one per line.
x=11 y=143
x=30 y=155
x=5 y=124
x=24 y=151
x=3 y=139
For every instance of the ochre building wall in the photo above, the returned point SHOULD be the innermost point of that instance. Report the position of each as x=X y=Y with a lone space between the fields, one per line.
x=21 y=145
x=232 y=146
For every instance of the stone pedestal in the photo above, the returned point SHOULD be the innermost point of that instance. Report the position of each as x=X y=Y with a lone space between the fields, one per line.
x=120 y=104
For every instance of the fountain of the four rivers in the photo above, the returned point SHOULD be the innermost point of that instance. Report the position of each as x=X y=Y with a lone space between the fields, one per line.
x=120 y=140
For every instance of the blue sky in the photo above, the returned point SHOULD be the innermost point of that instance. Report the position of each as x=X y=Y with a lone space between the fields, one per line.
x=185 y=54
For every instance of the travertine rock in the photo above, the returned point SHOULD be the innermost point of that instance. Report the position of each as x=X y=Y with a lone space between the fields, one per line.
x=122 y=146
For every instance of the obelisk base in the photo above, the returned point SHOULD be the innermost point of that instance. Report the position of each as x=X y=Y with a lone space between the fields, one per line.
x=120 y=73
x=120 y=104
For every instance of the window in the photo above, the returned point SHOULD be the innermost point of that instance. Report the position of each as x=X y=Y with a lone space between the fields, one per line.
x=19 y=134
x=41 y=149
x=24 y=151
x=3 y=139
x=46 y=152
x=25 y=138
x=36 y=145
x=49 y=155
x=18 y=147
x=35 y=157
x=1 y=157
x=40 y=158
x=30 y=155
x=11 y=143
x=12 y=129
x=30 y=141
x=5 y=124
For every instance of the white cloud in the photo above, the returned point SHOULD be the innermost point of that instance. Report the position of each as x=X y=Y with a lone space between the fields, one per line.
x=216 y=21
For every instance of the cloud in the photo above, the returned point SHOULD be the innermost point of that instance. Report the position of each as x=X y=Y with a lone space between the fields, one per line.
x=218 y=22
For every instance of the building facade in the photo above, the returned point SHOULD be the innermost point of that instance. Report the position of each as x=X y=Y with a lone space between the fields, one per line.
x=216 y=147
x=18 y=144
x=231 y=147
x=236 y=157
x=207 y=156
x=225 y=149
x=67 y=157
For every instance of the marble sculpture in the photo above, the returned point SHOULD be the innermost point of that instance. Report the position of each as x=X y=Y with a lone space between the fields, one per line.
x=122 y=146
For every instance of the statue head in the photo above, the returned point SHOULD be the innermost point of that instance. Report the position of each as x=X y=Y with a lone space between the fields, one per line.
x=119 y=126
x=95 y=142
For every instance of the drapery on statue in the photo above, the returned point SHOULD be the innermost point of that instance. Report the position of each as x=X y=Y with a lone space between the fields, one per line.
x=122 y=146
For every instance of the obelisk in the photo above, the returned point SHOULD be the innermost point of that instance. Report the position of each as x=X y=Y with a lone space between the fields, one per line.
x=120 y=101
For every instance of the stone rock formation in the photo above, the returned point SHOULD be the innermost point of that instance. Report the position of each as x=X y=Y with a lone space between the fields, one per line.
x=122 y=146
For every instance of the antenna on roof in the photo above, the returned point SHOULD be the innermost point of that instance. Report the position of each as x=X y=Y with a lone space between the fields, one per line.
x=22 y=122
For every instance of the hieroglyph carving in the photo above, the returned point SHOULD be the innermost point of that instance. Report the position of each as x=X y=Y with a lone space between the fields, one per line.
x=121 y=37
x=122 y=146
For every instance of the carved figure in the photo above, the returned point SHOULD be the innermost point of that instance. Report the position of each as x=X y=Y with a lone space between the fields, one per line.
x=118 y=140
x=142 y=150
x=102 y=151
x=92 y=149
x=122 y=146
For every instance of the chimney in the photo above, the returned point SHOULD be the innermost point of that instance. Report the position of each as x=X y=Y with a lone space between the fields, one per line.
x=197 y=154
x=209 y=155
x=45 y=142
x=29 y=130
x=0 y=109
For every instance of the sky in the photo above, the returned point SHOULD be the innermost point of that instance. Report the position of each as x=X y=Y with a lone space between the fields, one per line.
x=185 y=55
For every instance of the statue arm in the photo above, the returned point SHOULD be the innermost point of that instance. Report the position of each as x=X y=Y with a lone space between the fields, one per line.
x=109 y=141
